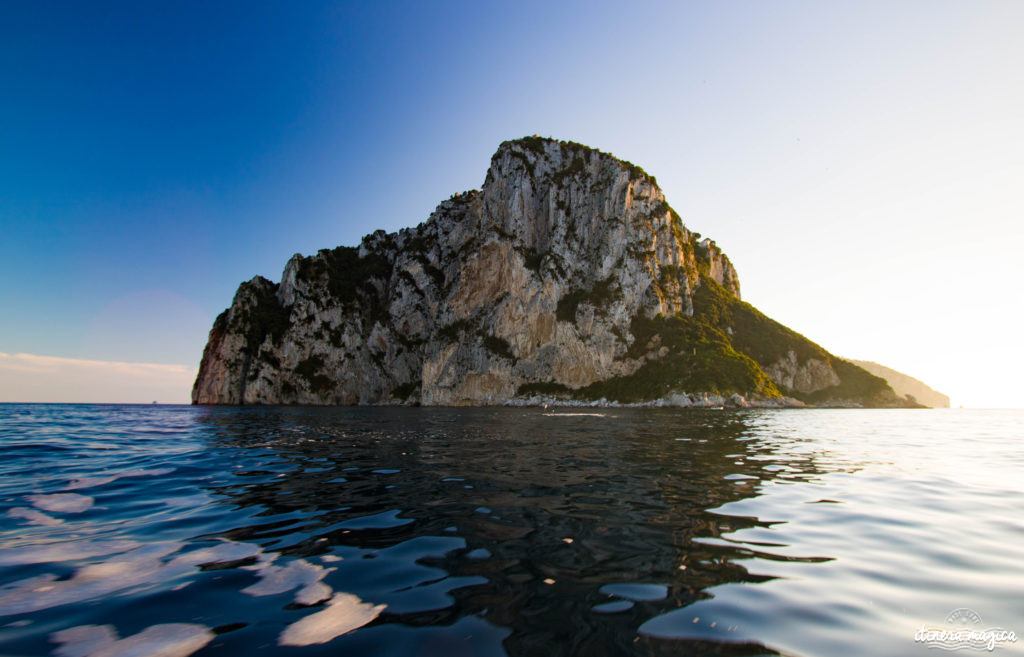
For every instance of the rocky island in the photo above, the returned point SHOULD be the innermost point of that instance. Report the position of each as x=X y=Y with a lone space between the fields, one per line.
x=567 y=278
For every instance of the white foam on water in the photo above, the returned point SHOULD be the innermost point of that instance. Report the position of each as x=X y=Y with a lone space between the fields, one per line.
x=61 y=502
x=166 y=640
x=299 y=574
x=344 y=613
x=33 y=516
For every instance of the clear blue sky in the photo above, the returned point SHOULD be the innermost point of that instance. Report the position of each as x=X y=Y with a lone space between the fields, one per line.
x=861 y=162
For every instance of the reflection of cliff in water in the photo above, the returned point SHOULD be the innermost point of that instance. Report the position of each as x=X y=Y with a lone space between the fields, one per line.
x=551 y=506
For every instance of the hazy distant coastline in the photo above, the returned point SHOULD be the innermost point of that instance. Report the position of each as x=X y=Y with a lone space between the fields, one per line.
x=905 y=385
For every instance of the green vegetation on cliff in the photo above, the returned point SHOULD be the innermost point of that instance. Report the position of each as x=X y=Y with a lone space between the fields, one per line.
x=350 y=279
x=348 y=275
x=266 y=317
x=722 y=349
x=856 y=384
x=768 y=341
x=536 y=146
x=310 y=369
x=598 y=295
x=700 y=357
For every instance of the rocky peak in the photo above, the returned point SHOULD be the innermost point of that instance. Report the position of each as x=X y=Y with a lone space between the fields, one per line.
x=590 y=213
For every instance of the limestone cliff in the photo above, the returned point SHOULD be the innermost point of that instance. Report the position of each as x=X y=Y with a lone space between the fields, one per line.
x=567 y=275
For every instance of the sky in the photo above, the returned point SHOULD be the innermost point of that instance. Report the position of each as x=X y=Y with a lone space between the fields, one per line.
x=861 y=163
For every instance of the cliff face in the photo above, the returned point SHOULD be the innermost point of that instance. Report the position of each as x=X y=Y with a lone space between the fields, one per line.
x=567 y=274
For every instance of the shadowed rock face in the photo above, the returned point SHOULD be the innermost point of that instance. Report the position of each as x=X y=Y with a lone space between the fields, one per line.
x=539 y=278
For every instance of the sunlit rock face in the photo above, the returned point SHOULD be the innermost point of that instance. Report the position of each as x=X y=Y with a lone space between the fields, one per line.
x=537 y=278
x=807 y=376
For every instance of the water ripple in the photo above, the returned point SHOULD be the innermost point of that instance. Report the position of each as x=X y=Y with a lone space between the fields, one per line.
x=503 y=531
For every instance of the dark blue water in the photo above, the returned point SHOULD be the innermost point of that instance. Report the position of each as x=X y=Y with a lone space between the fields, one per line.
x=172 y=530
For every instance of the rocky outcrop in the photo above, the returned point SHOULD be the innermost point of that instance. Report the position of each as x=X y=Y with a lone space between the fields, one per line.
x=567 y=274
x=905 y=385
x=811 y=375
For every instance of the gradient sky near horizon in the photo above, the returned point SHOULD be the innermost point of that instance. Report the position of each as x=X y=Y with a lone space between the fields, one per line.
x=861 y=163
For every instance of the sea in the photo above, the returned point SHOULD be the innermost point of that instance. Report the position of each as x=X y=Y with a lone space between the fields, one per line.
x=177 y=530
